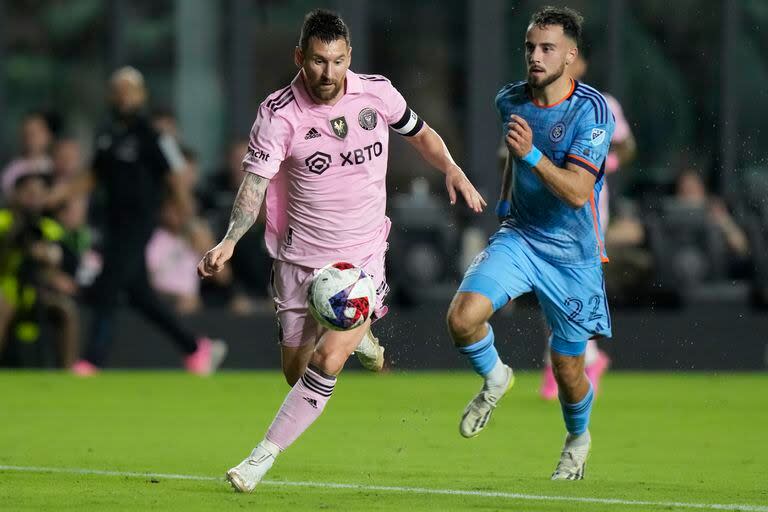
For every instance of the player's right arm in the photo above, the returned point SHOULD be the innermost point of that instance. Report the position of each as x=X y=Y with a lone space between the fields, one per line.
x=245 y=211
x=267 y=149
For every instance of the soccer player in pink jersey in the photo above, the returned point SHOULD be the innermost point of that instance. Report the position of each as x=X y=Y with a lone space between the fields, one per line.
x=318 y=158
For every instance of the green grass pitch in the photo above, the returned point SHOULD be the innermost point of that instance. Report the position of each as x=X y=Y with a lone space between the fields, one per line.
x=658 y=438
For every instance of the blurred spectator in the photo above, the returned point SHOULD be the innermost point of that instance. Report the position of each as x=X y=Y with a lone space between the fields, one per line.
x=177 y=246
x=36 y=137
x=164 y=121
x=67 y=158
x=629 y=276
x=172 y=261
x=250 y=263
x=80 y=263
x=135 y=167
x=220 y=190
x=30 y=259
x=691 y=191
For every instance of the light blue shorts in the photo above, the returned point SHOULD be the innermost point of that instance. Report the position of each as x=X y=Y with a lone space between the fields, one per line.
x=573 y=300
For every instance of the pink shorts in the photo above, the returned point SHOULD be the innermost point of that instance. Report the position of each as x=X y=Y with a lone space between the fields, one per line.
x=290 y=285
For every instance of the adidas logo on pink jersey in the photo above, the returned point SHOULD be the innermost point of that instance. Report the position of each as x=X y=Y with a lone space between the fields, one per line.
x=312 y=134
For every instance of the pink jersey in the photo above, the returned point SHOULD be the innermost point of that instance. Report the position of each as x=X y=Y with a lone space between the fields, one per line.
x=620 y=134
x=327 y=165
x=172 y=264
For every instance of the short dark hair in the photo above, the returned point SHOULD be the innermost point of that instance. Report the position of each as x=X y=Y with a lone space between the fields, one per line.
x=566 y=17
x=323 y=25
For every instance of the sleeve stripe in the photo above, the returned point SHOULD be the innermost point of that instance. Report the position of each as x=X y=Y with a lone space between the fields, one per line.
x=598 y=102
x=172 y=153
x=403 y=120
x=595 y=109
x=583 y=163
x=277 y=99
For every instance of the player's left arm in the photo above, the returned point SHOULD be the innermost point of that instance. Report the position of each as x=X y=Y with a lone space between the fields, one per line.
x=573 y=184
x=428 y=143
x=432 y=148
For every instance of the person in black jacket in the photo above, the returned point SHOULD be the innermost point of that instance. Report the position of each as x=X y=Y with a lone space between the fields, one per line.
x=134 y=167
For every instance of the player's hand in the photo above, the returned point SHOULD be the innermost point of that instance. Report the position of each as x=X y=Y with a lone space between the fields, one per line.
x=214 y=260
x=457 y=183
x=519 y=136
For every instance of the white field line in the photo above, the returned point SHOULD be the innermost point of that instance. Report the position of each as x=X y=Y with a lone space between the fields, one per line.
x=399 y=489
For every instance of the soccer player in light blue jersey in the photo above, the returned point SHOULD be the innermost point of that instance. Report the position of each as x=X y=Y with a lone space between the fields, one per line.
x=557 y=132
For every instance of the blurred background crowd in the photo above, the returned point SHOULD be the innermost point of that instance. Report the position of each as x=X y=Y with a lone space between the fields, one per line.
x=686 y=218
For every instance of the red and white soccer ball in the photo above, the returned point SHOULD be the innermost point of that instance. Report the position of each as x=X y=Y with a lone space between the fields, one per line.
x=341 y=296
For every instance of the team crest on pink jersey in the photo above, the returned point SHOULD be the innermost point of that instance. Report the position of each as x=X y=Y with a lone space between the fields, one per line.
x=339 y=127
x=367 y=118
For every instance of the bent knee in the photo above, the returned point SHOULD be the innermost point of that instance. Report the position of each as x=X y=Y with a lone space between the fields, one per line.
x=462 y=327
x=467 y=316
x=330 y=361
x=568 y=370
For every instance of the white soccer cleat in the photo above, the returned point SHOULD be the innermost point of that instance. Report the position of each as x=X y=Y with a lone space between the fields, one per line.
x=370 y=353
x=479 y=410
x=573 y=459
x=245 y=476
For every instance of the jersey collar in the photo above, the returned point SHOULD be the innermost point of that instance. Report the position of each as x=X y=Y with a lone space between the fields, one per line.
x=304 y=100
x=541 y=105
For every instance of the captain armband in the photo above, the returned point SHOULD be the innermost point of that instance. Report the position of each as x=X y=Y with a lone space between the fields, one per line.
x=408 y=125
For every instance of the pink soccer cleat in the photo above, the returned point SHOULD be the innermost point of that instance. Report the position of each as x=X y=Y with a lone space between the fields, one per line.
x=548 y=390
x=207 y=358
x=84 y=368
x=597 y=369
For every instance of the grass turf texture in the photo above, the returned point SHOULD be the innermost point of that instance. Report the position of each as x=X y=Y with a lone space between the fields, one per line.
x=657 y=437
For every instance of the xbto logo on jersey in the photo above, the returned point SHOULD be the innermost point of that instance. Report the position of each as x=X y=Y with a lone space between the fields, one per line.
x=318 y=162
x=361 y=155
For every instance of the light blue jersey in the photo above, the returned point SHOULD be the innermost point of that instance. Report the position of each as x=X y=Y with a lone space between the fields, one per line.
x=545 y=246
x=577 y=130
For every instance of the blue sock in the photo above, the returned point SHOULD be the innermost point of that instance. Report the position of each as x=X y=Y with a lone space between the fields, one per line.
x=482 y=354
x=576 y=415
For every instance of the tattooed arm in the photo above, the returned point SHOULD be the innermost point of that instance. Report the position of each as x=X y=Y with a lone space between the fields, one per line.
x=244 y=213
x=247 y=206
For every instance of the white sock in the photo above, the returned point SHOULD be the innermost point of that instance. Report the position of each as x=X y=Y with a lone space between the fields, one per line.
x=267 y=446
x=573 y=441
x=498 y=376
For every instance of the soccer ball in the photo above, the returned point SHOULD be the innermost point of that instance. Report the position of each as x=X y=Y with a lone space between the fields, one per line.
x=341 y=296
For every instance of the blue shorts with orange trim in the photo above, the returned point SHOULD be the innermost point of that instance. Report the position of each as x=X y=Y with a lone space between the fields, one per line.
x=573 y=300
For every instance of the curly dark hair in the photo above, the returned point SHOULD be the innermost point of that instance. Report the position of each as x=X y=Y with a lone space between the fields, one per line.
x=324 y=25
x=568 y=18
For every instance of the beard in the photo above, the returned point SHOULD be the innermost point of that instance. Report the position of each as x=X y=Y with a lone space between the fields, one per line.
x=540 y=83
x=326 y=93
